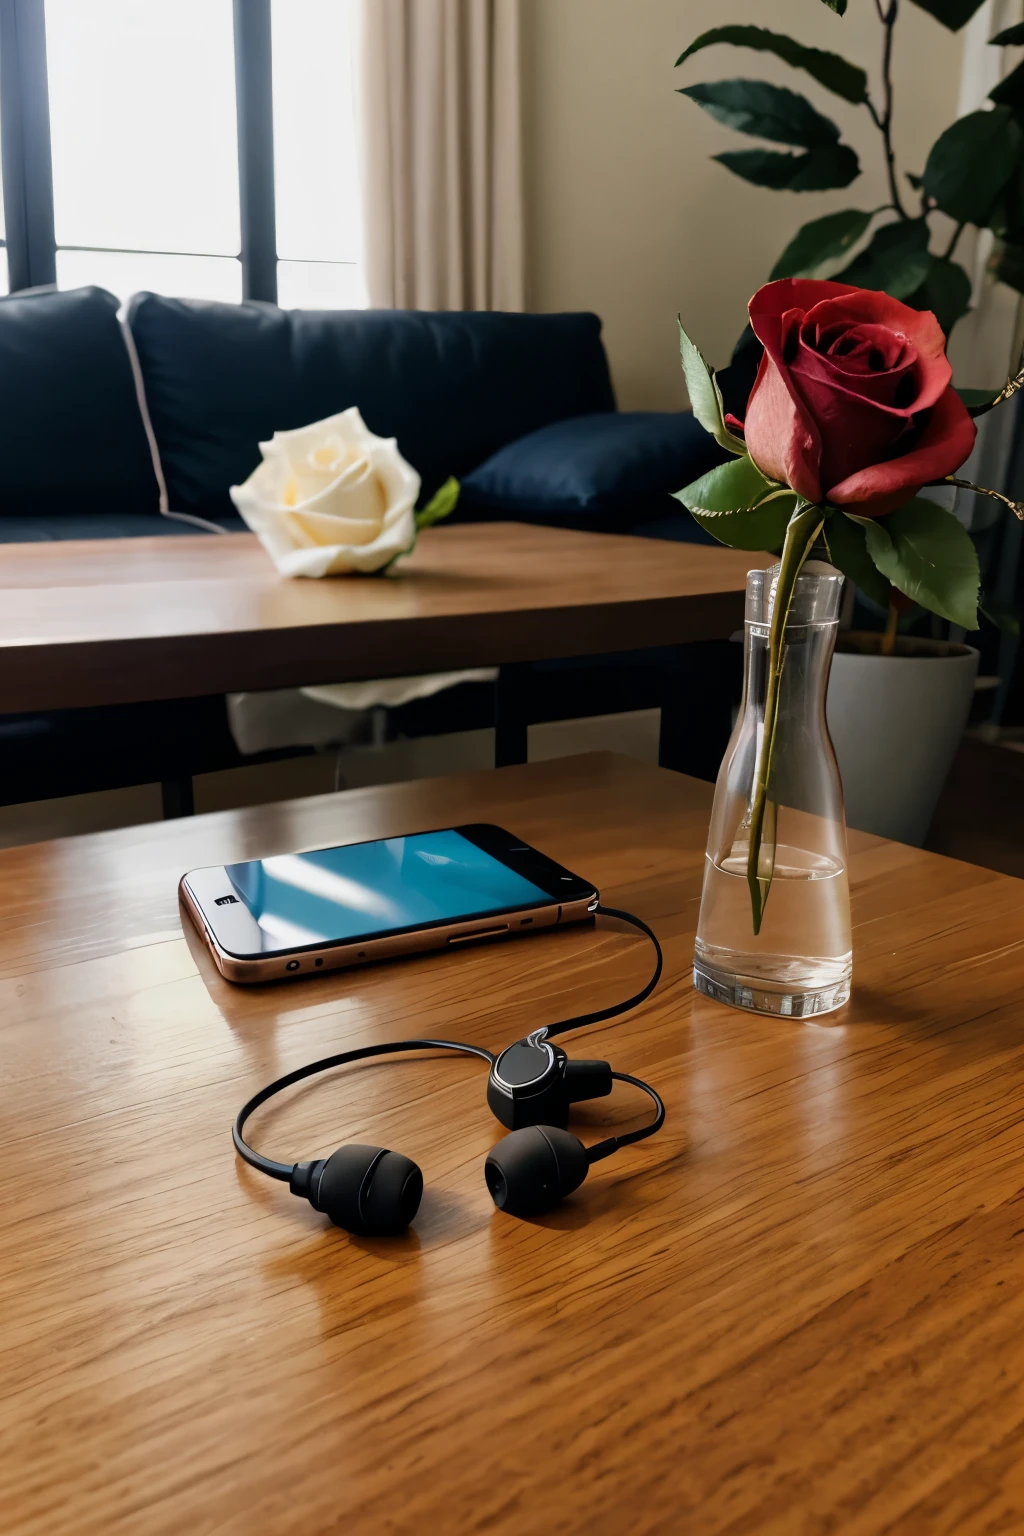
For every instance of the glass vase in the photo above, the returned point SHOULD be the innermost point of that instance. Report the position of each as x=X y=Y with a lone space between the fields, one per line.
x=800 y=962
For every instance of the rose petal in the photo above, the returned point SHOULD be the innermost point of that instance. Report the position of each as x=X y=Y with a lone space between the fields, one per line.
x=348 y=425
x=340 y=559
x=774 y=299
x=850 y=371
x=867 y=306
x=853 y=431
x=780 y=434
x=356 y=495
x=313 y=528
x=919 y=326
x=885 y=390
x=400 y=482
x=944 y=445
x=862 y=349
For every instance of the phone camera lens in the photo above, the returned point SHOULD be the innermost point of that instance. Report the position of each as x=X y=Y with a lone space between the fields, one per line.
x=292 y=965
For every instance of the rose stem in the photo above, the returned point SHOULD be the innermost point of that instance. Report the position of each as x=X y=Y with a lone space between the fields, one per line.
x=801 y=532
x=892 y=618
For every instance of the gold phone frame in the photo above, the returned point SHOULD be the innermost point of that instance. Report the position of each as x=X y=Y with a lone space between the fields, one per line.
x=286 y=965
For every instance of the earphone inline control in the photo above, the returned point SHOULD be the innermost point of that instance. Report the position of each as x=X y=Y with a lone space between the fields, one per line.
x=530 y=1090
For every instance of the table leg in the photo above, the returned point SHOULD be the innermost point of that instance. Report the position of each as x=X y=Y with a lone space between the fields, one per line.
x=177 y=798
x=698 y=694
x=511 y=716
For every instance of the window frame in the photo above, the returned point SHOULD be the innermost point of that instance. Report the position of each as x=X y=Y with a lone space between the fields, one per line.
x=28 y=172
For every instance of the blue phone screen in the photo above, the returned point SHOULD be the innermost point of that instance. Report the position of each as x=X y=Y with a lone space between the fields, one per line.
x=400 y=882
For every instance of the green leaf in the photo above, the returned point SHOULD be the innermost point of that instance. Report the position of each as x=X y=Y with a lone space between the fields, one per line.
x=737 y=486
x=952 y=13
x=1010 y=267
x=896 y=262
x=1010 y=91
x=834 y=165
x=705 y=395
x=765 y=111
x=1009 y=36
x=930 y=557
x=736 y=504
x=839 y=6
x=971 y=163
x=831 y=71
x=819 y=241
x=946 y=291
x=848 y=552
x=440 y=505
x=763 y=528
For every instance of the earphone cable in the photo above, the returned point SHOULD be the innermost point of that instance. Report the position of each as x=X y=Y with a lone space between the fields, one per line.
x=275 y=1170
x=549 y=1031
x=602 y=1149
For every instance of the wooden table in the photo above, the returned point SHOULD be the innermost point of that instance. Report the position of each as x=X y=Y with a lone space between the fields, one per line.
x=116 y=621
x=799 y=1309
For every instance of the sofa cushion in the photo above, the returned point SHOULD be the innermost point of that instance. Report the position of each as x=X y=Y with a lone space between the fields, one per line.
x=71 y=434
x=612 y=470
x=452 y=387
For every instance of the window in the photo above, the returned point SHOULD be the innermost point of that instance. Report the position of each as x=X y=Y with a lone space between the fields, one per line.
x=144 y=145
x=317 y=194
x=204 y=148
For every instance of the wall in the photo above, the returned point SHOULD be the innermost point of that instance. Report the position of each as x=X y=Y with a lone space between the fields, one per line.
x=627 y=216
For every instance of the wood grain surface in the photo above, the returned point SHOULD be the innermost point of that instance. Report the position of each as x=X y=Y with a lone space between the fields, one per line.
x=120 y=620
x=798 y=1310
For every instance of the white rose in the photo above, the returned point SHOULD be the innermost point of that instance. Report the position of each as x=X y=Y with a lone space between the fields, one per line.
x=331 y=498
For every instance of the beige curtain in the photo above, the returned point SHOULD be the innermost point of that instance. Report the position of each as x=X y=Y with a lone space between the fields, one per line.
x=441 y=130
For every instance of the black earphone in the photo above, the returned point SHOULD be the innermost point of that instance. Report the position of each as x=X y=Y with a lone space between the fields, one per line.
x=531 y=1087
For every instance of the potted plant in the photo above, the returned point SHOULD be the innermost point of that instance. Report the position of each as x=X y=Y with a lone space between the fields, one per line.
x=898 y=703
x=852 y=414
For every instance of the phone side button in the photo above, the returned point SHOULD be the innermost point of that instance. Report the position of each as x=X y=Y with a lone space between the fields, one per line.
x=478 y=933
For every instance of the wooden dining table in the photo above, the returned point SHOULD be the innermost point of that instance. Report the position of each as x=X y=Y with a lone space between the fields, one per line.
x=798 y=1309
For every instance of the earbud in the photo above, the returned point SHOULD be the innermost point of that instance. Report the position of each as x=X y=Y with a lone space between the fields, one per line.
x=534 y=1083
x=533 y=1169
x=366 y=1190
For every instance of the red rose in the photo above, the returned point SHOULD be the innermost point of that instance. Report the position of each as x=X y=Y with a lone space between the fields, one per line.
x=852 y=403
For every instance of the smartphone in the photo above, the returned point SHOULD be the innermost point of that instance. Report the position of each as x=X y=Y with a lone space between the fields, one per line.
x=298 y=913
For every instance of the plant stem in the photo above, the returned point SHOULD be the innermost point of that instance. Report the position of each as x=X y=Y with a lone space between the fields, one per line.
x=951 y=247
x=892 y=619
x=804 y=527
x=1013 y=384
x=1016 y=507
x=883 y=121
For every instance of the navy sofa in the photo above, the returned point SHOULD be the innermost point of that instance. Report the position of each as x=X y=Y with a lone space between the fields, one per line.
x=519 y=407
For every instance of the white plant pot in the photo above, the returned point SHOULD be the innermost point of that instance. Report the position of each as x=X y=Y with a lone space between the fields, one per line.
x=896 y=722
